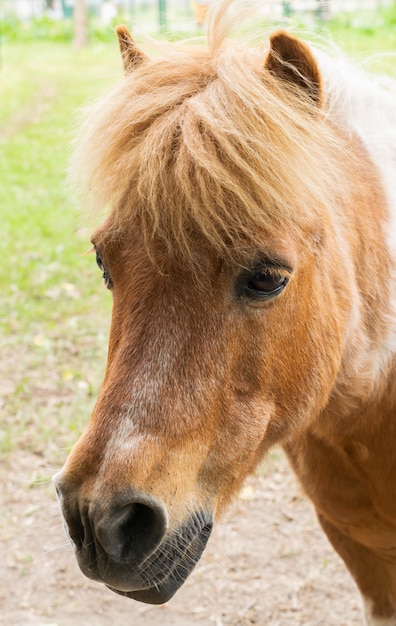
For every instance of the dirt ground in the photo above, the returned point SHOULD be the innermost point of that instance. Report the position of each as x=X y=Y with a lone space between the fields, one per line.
x=268 y=563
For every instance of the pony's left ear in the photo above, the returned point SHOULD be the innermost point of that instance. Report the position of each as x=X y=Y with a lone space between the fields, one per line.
x=291 y=60
x=132 y=56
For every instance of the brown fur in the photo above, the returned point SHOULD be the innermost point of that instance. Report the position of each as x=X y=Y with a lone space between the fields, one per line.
x=290 y=60
x=131 y=55
x=210 y=160
x=226 y=134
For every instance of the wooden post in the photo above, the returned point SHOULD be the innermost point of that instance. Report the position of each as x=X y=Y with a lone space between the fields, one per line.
x=80 y=24
x=162 y=15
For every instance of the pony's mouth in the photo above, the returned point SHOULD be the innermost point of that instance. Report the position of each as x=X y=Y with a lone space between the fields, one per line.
x=158 y=577
x=166 y=573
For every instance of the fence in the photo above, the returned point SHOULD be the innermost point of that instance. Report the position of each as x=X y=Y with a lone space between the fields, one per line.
x=177 y=9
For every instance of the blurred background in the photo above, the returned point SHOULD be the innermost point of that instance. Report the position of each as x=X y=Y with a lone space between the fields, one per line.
x=55 y=56
x=60 y=19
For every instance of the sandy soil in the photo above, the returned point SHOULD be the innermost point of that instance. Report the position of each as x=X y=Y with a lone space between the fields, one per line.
x=268 y=563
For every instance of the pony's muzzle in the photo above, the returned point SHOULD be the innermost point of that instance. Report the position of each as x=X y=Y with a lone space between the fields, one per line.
x=122 y=532
x=124 y=540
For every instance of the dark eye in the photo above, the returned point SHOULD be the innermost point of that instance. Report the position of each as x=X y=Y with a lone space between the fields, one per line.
x=263 y=283
x=101 y=266
x=99 y=262
x=266 y=281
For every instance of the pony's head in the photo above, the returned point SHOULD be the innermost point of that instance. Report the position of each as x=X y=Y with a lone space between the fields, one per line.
x=234 y=294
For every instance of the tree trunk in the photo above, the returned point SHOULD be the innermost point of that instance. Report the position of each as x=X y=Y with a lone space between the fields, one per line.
x=323 y=10
x=80 y=24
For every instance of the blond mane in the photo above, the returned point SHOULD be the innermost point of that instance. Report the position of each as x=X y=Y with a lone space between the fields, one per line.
x=203 y=142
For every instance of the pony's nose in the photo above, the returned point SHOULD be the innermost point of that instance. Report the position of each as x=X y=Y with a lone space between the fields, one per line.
x=134 y=531
x=128 y=530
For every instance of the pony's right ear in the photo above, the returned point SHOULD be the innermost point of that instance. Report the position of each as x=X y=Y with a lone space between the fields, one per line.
x=132 y=56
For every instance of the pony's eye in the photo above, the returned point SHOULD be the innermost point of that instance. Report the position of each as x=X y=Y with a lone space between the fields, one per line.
x=265 y=282
x=99 y=262
x=101 y=266
x=262 y=283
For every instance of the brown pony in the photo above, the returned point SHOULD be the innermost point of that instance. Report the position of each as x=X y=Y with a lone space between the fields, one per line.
x=249 y=251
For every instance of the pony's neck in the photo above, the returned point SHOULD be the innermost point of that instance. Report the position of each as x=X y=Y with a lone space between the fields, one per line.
x=366 y=105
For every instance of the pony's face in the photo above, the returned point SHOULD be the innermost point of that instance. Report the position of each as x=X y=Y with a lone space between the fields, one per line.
x=210 y=362
x=204 y=373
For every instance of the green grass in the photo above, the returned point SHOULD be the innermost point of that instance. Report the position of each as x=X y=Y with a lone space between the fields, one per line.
x=49 y=288
x=366 y=35
x=54 y=313
x=39 y=247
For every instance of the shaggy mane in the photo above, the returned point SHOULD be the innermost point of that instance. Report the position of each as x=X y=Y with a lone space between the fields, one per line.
x=204 y=143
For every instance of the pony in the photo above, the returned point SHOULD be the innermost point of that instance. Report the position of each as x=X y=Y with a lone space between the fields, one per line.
x=249 y=245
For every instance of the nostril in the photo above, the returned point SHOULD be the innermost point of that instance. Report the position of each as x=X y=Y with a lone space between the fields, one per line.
x=135 y=519
x=134 y=531
x=74 y=525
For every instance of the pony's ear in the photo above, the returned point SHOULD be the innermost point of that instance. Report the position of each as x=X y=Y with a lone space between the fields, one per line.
x=291 y=60
x=132 y=56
